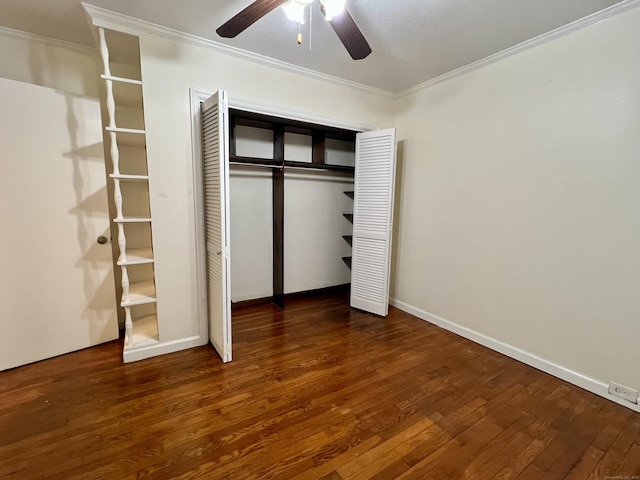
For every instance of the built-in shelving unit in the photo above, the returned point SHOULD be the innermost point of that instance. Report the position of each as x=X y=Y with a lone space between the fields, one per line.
x=125 y=137
x=348 y=238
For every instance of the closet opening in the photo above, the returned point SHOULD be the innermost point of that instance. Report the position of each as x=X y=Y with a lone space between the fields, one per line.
x=291 y=208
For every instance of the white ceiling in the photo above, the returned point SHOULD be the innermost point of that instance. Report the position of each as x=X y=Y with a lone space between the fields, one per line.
x=413 y=41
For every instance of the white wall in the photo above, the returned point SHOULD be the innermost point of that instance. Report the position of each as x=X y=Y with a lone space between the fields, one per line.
x=36 y=60
x=313 y=227
x=519 y=198
x=169 y=70
x=251 y=196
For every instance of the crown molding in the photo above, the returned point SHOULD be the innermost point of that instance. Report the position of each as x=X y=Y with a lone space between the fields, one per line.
x=134 y=26
x=526 y=45
x=52 y=42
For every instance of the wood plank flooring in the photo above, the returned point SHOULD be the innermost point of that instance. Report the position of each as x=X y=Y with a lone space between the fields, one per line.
x=319 y=391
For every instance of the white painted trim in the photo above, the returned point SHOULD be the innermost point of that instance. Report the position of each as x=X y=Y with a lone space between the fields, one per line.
x=101 y=17
x=526 y=45
x=135 y=354
x=50 y=42
x=196 y=98
x=547 y=366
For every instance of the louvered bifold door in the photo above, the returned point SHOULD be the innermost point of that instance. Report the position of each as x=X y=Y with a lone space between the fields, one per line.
x=372 y=220
x=215 y=126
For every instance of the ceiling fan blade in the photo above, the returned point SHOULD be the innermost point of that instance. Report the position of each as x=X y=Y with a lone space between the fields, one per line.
x=248 y=17
x=350 y=35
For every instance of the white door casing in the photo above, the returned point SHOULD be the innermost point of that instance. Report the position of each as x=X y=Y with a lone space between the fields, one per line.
x=372 y=220
x=215 y=155
x=56 y=282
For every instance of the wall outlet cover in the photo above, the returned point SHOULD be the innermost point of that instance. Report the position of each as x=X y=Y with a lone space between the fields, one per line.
x=623 y=392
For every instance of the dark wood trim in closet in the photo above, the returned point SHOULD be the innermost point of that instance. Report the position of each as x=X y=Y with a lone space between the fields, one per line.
x=235 y=159
x=232 y=137
x=279 y=126
x=318 y=148
x=259 y=120
x=278 y=218
x=314 y=166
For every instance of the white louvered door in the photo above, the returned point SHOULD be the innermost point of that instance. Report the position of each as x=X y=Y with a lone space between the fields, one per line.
x=215 y=127
x=372 y=220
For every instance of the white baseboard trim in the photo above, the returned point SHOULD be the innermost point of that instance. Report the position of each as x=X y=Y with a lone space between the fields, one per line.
x=135 y=354
x=547 y=366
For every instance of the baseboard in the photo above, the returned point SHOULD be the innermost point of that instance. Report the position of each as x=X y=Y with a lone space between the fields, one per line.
x=316 y=292
x=135 y=354
x=332 y=290
x=592 y=385
x=251 y=302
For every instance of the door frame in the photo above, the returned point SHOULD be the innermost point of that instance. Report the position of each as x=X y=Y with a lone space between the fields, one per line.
x=196 y=97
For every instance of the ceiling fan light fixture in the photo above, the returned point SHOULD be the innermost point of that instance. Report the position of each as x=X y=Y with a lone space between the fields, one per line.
x=332 y=8
x=294 y=9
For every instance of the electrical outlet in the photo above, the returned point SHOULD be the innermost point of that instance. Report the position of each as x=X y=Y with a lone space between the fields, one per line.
x=623 y=392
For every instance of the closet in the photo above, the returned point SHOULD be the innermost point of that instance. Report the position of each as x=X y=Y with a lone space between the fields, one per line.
x=287 y=158
x=299 y=171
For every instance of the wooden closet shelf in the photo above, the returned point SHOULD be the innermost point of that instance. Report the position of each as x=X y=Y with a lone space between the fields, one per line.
x=350 y=194
x=134 y=131
x=138 y=219
x=319 y=166
x=114 y=78
x=129 y=178
x=348 y=216
x=140 y=293
x=348 y=239
x=347 y=261
x=254 y=161
x=128 y=137
x=145 y=333
x=137 y=256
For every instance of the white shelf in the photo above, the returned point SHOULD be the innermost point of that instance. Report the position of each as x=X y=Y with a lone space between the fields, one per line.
x=132 y=219
x=138 y=256
x=140 y=293
x=113 y=78
x=128 y=137
x=145 y=333
x=129 y=178
x=134 y=131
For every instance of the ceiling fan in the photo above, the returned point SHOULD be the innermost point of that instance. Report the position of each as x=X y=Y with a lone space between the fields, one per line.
x=334 y=12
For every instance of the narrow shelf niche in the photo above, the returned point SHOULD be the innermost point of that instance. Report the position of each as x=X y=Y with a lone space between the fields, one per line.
x=125 y=141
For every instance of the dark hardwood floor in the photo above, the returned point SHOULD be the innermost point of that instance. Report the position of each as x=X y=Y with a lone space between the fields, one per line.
x=317 y=392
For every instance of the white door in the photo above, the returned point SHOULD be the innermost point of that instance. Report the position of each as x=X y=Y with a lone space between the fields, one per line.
x=57 y=291
x=215 y=160
x=372 y=220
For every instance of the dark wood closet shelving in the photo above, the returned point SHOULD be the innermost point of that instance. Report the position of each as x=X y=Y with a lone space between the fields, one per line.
x=235 y=159
x=278 y=164
x=348 y=239
x=320 y=166
x=349 y=194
